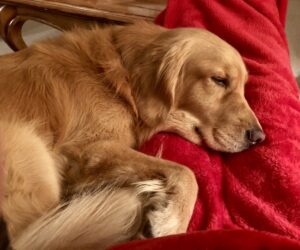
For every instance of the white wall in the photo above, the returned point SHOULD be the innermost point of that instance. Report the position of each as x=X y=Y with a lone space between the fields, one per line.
x=293 y=35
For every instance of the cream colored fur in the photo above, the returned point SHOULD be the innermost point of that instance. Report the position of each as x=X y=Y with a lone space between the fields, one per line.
x=32 y=182
x=94 y=221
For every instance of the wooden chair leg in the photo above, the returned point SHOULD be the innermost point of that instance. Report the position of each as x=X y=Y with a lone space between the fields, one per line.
x=11 y=27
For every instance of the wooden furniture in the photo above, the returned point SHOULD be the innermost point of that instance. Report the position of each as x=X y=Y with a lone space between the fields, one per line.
x=65 y=14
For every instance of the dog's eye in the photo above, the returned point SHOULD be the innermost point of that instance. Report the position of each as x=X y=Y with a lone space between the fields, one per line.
x=220 y=81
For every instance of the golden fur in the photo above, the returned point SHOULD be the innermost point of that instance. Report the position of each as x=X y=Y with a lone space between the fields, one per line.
x=74 y=108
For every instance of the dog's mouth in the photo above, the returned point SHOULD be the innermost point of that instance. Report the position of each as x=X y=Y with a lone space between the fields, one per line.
x=219 y=140
x=230 y=143
x=198 y=131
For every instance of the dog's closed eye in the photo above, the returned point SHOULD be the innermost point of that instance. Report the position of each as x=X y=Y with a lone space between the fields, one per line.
x=221 y=81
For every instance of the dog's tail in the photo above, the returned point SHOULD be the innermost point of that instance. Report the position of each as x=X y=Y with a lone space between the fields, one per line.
x=91 y=221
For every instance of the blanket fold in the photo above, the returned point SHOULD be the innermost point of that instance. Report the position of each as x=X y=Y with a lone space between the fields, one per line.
x=215 y=239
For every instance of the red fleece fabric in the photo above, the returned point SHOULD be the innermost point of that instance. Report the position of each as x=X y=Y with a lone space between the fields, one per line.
x=258 y=189
x=215 y=239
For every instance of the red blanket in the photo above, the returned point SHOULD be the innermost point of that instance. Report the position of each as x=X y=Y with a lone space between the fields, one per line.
x=219 y=240
x=258 y=189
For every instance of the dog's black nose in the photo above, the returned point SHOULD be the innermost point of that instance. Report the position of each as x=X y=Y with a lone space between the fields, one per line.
x=255 y=136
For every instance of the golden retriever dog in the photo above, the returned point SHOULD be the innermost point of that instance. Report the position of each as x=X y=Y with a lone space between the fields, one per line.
x=74 y=109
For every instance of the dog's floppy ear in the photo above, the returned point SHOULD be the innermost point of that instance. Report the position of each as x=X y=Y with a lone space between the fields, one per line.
x=158 y=75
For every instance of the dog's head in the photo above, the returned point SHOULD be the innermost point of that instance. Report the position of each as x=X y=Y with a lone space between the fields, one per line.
x=191 y=82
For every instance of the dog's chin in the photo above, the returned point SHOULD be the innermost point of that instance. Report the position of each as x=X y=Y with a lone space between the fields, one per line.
x=222 y=142
x=211 y=140
x=232 y=148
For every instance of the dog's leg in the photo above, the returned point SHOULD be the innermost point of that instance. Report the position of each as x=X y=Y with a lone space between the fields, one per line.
x=31 y=182
x=171 y=188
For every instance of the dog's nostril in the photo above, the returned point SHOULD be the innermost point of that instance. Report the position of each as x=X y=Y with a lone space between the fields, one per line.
x=255 y=136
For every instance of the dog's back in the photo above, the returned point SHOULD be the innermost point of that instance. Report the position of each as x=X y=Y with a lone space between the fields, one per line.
x=64 y=92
